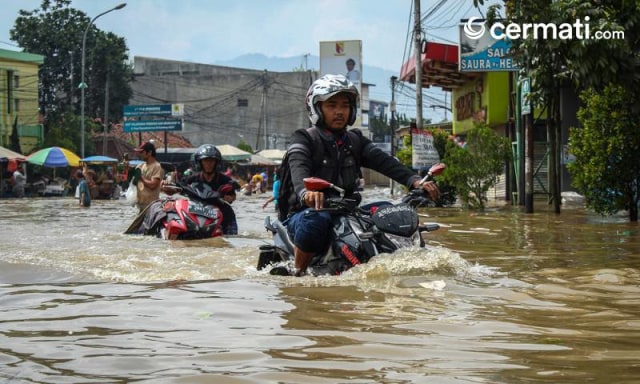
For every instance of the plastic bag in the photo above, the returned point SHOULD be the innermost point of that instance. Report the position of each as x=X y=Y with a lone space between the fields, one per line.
x=132 y=194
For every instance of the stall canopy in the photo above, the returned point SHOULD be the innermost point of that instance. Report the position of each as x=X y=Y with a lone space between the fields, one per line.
x=9 y=154
x=439 y=67
x=99 y=160
x=261 y=160
x=273 y=154
x=11 y=158
x=231 y=153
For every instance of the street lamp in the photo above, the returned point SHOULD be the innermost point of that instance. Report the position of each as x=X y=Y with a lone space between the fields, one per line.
x=83 y=85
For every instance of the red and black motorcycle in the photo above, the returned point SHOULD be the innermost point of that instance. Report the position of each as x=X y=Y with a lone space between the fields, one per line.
x=178 y=218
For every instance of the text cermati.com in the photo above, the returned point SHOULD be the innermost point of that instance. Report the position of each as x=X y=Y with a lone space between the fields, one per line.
x=565 y=31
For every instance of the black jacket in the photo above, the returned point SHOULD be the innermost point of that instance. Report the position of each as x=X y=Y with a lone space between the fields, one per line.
x=340 y=164
x=219 y=179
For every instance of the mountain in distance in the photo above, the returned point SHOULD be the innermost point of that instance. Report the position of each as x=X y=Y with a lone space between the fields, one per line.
x=377 y=76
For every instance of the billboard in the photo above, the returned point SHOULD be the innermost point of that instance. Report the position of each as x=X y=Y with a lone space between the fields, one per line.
x=343 y=57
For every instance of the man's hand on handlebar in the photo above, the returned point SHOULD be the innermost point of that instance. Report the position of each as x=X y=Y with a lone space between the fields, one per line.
x=168 y=187
x=429 y=187
x=313 y=199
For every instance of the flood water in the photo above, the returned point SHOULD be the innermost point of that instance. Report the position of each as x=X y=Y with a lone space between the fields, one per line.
x=498 y=297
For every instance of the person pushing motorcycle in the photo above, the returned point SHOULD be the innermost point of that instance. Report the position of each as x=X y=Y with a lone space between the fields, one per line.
x=331 y=103
x=207 y=158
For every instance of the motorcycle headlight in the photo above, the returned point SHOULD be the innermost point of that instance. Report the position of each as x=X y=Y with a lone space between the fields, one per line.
x=401 y=241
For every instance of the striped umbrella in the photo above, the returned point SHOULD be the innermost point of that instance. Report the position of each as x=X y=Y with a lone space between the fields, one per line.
x=54 y=157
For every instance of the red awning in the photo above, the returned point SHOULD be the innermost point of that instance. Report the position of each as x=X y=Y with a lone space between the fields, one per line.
x=439 y=67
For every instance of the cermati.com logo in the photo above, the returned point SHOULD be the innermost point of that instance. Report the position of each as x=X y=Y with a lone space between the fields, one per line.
x=475 y=29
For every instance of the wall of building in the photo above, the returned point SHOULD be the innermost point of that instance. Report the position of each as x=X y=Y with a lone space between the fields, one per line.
x=486 y=98
x=19 y=98
x=224 y=105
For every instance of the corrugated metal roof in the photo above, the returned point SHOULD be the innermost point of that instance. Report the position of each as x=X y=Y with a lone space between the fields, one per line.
x=21 y=56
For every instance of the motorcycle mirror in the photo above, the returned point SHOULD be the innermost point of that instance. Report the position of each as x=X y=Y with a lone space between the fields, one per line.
x=437 y=169
x=318 y=184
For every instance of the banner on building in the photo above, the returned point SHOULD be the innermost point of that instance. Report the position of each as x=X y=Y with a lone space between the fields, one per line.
x=482 y=52
x=156 y=117
x=424 y=151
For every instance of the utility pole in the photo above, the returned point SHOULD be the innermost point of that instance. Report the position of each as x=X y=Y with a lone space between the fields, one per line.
x=306 y=61
x=264 y=108
x=392 y=108
x=417 y=37
x=106 y=116
x=446 y=108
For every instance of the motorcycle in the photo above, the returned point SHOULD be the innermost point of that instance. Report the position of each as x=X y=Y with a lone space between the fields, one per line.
x=170 y=218
x=359 y=232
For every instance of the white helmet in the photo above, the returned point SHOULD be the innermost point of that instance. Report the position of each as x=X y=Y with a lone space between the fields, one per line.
x=326 y=87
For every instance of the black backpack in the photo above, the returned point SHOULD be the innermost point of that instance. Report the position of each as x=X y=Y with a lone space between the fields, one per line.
x=287 y=199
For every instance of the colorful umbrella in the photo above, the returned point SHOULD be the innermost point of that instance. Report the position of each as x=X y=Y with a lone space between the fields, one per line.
x=54 y=157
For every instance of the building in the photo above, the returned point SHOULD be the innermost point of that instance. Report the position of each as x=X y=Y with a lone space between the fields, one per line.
x=225 y=105
x=19 y=99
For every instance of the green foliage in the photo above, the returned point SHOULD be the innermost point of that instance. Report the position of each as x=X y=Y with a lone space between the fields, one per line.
x=55 y=30
x=405 y=154
x=474 y=169
x=65 y=132
x=606 y=169
x=441 y=138
x=244 y=146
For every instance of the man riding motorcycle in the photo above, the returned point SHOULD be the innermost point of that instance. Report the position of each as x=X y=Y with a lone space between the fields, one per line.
x=207 y=158
x=332 y=106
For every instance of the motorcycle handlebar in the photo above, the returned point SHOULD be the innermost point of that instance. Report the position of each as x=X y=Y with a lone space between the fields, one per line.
x=173 y=187
x=429 y=227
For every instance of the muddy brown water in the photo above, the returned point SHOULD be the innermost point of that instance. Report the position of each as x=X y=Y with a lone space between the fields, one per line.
x=498 y=297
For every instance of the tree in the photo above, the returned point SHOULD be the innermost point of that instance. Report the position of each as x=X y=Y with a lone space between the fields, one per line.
x=474 y=169
x=606 y=169
x=55 y=30
x=405 y=154
x=244 y=146
x=578 y=62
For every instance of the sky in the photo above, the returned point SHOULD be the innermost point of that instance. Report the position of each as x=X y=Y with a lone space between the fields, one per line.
x=206 y=31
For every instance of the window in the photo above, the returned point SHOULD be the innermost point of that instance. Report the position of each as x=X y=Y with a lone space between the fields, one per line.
x=243 y=103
